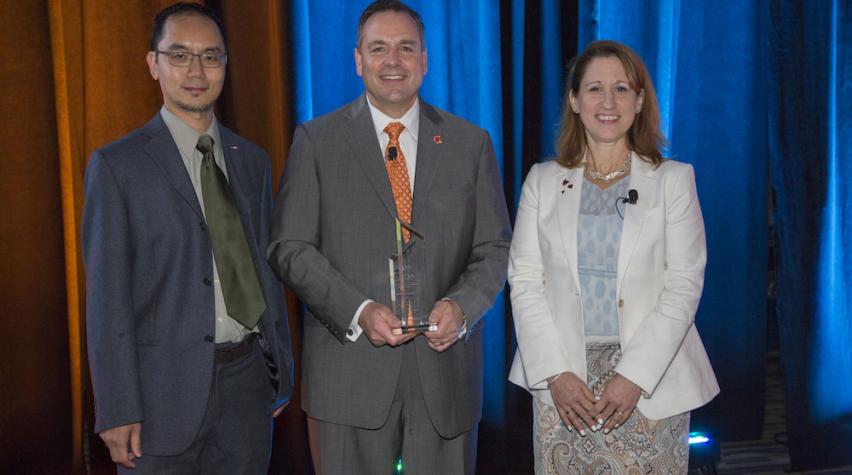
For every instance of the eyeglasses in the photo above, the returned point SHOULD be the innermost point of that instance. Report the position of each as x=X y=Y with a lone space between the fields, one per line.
x=182 y=59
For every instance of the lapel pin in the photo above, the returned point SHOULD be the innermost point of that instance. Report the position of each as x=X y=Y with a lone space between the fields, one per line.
x=437 y=139
x=566 y=185
x=233 y=147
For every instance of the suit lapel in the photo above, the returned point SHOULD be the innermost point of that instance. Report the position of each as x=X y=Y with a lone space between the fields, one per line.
x=568 y=188
x=428 y=156
x=162 y=150
x=643 y=181
x=360 y=133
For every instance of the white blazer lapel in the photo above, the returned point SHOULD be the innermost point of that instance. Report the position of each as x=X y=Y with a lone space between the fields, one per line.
x=643 y=181
x=568 y=188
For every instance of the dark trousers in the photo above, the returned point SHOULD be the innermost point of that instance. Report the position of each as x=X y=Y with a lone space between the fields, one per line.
x=235 y=436
x=408 y=433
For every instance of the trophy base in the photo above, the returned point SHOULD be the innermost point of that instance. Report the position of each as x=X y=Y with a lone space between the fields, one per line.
x=417 y=328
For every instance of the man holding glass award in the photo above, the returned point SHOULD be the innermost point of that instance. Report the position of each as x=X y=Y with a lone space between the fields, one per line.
x=391 y=226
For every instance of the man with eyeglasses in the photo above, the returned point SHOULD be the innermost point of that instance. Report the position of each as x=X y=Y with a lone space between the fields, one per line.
x=188 y=340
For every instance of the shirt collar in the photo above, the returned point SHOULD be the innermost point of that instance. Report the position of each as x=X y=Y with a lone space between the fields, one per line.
x=411 y=119
x=186 y=138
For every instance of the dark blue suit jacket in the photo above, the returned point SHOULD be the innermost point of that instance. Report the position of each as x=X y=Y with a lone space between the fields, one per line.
x=149 y=297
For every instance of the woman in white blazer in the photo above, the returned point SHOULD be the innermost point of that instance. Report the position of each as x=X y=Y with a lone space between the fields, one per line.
x=606 y=270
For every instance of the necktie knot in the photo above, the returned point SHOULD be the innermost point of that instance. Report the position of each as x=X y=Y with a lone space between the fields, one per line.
x=205 y=144
x=394 y=129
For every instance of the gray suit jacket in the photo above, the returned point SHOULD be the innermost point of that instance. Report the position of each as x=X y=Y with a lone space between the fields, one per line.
x=149 y=298
x=333 y=231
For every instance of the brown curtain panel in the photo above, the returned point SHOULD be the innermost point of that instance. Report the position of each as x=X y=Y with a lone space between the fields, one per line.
x=74 y=78
x=35 y=413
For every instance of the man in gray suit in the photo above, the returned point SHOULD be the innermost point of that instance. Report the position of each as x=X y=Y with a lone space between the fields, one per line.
x=373 y=395
x=188 y=340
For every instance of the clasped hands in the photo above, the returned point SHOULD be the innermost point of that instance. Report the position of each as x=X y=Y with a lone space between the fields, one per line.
x=578 y=407
x=378 y=323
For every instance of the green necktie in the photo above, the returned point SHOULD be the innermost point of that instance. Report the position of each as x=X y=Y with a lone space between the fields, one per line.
x=240 y=286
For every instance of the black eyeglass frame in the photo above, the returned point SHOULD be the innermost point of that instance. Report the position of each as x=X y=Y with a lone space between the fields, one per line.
x=221 y=58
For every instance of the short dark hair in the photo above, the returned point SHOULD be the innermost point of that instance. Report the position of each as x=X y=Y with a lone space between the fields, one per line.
x=644 y=136
x=389 y=5
x=184 y=8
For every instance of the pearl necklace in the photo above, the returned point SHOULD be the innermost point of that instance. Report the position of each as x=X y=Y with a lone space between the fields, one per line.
x=620 y=171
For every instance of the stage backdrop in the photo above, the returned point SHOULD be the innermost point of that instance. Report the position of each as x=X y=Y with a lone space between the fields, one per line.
x=811 y=131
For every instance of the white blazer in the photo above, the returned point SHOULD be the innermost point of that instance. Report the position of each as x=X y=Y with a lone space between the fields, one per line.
x=659 y=282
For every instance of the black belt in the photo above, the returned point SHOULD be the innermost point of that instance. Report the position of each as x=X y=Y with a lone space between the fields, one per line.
x=226 y=355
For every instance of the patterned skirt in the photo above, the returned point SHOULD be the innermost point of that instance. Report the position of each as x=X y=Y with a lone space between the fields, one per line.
x=639 y=446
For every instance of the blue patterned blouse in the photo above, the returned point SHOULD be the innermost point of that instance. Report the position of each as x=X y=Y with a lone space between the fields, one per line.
x=598 y=240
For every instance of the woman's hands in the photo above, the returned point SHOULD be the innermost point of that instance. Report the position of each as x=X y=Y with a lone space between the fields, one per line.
x=574 y=401
x=617 y=402
x=577 y=405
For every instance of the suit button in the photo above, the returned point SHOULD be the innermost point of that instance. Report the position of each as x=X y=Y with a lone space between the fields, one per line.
x=620 y=303
x=207 y=281
x=209 y=338
x=202 y=226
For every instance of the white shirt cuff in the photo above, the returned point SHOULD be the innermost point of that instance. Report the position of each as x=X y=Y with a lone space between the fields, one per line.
x=463 y=329
x=355 y=330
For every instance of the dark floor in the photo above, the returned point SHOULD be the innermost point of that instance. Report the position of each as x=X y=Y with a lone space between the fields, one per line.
x=769 y=455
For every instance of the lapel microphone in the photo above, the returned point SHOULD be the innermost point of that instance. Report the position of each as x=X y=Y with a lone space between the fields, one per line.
x=631 y=199
x=392 y=154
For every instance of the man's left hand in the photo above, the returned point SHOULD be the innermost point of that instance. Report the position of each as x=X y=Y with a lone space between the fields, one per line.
x=449 y=317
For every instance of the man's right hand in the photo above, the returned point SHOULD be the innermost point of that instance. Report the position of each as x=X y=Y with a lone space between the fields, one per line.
x=378 y=323
x=123 y=443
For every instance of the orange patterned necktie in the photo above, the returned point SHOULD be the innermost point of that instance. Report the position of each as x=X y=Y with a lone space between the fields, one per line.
x=398 y=175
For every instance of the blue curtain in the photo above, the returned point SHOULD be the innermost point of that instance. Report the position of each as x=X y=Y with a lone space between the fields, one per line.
x=811 y=117
x=540 y=39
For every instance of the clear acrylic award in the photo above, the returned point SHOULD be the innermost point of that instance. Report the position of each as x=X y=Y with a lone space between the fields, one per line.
x=404 y=278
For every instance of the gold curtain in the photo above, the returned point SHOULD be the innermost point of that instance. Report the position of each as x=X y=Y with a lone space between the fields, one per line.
x=73 y=79
x=35 y=415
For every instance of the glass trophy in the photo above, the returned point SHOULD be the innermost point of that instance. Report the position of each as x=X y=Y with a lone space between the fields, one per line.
x=404 y=280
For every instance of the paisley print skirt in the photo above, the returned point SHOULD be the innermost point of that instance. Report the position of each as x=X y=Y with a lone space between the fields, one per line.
x=639 y=446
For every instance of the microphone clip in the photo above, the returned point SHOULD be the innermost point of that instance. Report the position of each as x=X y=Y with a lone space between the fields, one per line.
x=632 y=198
